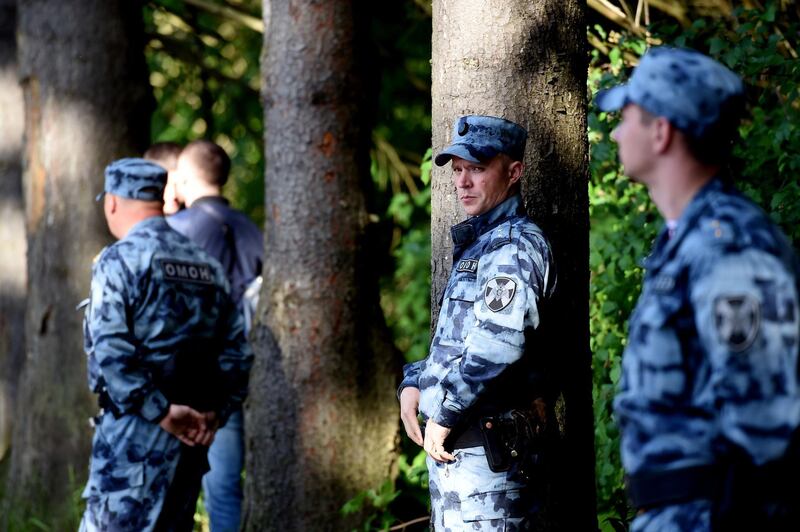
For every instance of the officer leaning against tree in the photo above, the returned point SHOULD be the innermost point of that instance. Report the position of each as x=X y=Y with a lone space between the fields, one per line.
x=477 y=387
x=709 y=398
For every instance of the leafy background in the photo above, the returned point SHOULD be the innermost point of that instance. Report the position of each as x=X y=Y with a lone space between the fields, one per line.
x=205 y=77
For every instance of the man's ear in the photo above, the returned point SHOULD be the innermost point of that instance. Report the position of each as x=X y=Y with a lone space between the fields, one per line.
x=113 y=204
x=663 y=134
x=515 y=171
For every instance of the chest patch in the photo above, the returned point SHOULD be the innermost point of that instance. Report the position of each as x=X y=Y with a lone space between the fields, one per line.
x=499 y=293
x=467 y=265
x=191 y=272
x=737 y=319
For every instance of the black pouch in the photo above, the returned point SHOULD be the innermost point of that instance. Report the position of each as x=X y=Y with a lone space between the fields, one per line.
x=497 y=453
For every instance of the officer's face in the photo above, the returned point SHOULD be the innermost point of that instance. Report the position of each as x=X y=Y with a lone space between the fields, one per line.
x=634 y=134
x=482 y=186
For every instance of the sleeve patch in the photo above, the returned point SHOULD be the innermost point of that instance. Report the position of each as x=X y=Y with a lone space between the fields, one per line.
x=737 y=320
x=499 y=293
x=192 y=272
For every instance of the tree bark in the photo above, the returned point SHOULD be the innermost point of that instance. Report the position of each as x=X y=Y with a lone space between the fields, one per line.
x=87 y=102
x=322 y=416
x=526 y=61
x=12 y=228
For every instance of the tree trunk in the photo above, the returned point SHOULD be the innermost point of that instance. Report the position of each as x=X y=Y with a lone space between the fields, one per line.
x=526 y=61
x=322 y=416
x=12 y=228
x=87 y=102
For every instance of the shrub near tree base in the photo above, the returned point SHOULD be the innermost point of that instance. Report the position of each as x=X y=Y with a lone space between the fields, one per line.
x=758 y=45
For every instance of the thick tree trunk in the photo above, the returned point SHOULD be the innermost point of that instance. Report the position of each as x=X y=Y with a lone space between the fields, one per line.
x=526 y=61
x=86 y=103
x=322 y=416
x=12 y=227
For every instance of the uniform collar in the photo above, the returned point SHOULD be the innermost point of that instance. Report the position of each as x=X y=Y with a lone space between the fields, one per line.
x=210 y=199
x=153 y=222
x=469 y=230
x=664 y=244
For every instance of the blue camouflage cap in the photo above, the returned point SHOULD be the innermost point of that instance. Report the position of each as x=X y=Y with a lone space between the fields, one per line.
x=478 y=138
x=136 y=179
x=689 y=89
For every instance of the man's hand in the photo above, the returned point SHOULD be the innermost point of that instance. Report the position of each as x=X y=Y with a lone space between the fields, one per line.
x=187 y=424
x=409 y=408
x=435 y=435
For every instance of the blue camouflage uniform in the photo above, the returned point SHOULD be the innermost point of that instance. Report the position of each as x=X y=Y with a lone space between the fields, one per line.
x=710 y=368
x=502 y=273
x=154 y=294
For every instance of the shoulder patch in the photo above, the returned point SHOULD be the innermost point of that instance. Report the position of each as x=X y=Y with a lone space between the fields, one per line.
x=499 y=293
x=192 y=272
x=737 y=320
x=467 y=265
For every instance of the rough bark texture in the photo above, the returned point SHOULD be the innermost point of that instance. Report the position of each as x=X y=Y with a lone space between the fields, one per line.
x=322 y=416
x=526 y=61
x=86 y=103
x=12 y=224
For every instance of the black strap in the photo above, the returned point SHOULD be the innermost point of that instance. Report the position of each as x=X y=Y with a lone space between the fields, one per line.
x=653 y=489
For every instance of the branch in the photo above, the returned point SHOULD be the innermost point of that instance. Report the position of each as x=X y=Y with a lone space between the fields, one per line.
x=403 y=526
x=229 y=13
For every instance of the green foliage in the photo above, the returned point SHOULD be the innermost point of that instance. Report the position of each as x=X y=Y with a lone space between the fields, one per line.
x=392 y=502
x=624 y=221
x=204 y=71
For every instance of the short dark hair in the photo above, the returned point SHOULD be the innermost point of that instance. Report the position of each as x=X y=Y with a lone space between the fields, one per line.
x=212 y=163
x=164 y=153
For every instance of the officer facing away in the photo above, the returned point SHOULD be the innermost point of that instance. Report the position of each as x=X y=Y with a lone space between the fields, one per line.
x=709 y=394
x=475 y=389
x=166 y=354
x=230 y=237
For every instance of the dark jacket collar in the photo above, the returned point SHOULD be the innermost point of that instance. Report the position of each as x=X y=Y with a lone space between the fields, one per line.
x=211 y=199
x=469 y=230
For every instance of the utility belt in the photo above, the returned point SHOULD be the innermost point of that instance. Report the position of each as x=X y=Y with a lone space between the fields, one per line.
x=515 y=439
x=742 y=496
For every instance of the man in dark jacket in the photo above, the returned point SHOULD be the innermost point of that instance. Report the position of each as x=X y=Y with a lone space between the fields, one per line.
x=230 y=237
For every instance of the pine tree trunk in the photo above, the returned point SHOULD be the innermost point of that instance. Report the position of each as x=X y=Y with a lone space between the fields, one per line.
x=12 y=227
x=526 y=61
x=322 y=416
x=86 y=103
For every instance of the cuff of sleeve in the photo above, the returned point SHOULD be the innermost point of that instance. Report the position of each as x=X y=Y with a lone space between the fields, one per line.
x=154 y=407
x=446 y=417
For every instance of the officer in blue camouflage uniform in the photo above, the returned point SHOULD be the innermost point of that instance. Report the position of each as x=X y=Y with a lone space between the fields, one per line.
x=476 y=377
x=166 y=354
x=709 y=396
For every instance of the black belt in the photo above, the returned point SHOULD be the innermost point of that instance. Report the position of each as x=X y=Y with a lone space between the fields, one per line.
x=648 y=490
x=469 y=437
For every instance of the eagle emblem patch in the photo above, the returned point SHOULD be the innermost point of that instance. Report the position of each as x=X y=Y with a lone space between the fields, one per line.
x=499 y=292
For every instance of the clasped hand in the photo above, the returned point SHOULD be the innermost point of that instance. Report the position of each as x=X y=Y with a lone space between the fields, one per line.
x=190 y=426
x=435 y=434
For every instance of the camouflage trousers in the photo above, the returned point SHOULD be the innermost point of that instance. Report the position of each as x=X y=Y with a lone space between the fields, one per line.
x=692 y=516
x=140 y=478
x=467 y=495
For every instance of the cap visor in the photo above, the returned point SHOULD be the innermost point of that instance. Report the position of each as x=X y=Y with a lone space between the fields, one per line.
x=455 y=150
x=612 y=99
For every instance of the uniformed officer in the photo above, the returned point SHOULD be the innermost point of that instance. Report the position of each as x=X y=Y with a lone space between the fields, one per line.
x=166 y=354
x=709 y=395
x=236 y=242
x=476 y=381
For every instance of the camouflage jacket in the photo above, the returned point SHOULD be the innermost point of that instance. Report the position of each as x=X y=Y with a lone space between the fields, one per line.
x=711 y=360
x=154 y=294
x=502 y=271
